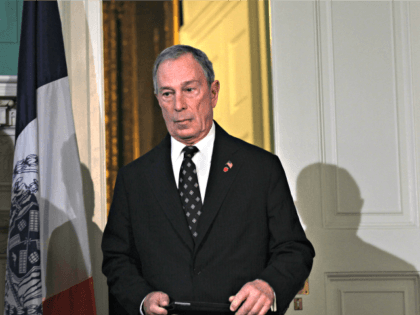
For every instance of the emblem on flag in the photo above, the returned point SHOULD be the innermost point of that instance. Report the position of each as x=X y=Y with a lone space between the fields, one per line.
x=23 y=272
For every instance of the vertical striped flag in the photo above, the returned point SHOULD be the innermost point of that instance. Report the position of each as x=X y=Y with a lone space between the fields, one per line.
x=48 y=262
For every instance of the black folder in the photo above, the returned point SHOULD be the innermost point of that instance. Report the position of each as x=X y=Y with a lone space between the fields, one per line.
x=197 y=307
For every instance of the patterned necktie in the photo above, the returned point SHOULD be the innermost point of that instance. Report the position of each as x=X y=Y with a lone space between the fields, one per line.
x=189 y=190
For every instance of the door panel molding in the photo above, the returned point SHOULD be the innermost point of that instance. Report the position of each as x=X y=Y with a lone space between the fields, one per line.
x=348 y=292
x=390 y=178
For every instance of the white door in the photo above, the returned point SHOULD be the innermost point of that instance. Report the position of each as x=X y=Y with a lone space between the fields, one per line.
x=346 y=84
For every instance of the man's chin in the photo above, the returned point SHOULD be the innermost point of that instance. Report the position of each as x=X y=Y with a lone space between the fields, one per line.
x=182 y=133
x=182 y=125
x=184 y=129
x=185 y=137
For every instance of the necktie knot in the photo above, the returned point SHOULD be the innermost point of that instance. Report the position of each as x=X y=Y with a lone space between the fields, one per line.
x=189 y=151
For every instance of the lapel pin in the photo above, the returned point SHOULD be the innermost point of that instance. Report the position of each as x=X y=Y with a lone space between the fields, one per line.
x=228 y=166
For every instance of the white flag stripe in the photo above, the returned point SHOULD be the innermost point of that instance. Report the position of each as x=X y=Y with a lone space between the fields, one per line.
x=63 y=220
x=27 y=142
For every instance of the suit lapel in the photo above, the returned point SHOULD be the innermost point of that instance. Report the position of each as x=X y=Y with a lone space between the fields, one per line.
x=161 y=178
x=219 y=181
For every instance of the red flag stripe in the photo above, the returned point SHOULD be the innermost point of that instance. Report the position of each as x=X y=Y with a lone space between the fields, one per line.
x=79 y=299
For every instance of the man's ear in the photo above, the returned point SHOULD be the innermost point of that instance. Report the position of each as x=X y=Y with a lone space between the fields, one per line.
x=214 y=93
x=215 y=88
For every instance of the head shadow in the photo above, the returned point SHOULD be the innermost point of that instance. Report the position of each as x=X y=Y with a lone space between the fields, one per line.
x=327 y=193
x=65 y=244
x=63 y=219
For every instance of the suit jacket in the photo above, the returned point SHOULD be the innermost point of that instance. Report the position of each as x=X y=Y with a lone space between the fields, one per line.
x=248 y=230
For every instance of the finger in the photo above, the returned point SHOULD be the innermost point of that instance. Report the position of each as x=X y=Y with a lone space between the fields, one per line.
x=257 y=306
x=239 y=298
x=247 y=305
x=264 y=309
x=156 y=309
x=154 y=301
x=231 y=298
x=163 y=299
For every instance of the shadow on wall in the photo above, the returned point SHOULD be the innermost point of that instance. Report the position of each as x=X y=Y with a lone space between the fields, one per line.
x=65 y=262
x=95 y=239
x=355 y=252
x=64 y=246
x=65 y=266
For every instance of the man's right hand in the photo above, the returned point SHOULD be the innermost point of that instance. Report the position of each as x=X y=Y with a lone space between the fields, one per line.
x=154 y=302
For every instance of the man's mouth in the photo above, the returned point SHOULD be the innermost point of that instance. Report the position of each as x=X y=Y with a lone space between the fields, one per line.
x=180 y=121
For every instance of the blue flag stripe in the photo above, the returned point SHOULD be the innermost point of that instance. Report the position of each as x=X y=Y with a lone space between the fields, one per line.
x=41 y=56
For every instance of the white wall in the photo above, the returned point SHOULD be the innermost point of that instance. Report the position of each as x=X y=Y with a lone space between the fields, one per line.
x=346 y=109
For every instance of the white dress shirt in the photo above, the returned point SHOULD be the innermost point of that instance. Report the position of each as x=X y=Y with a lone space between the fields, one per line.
x=202 y=159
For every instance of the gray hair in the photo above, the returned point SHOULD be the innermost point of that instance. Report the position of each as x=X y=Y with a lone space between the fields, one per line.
x=176 y=51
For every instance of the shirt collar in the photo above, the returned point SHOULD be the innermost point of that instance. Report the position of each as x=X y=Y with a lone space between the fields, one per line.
x=205 y=145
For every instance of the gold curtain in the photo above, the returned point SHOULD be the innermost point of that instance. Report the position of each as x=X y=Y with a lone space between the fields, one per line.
x=135 y=32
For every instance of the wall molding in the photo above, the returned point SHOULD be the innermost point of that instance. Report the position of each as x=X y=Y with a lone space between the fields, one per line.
x=8 y=85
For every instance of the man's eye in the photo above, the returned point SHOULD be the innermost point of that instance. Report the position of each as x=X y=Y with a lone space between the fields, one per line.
x=190 y=89
x=166 y=94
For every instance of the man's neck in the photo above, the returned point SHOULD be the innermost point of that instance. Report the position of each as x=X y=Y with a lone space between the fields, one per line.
x=210 y=134
x=194 y=141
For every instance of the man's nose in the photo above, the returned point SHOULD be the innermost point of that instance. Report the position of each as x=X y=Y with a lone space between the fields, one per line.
x=179 y=102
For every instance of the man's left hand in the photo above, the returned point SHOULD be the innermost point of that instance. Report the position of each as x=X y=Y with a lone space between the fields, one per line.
x=257 y=297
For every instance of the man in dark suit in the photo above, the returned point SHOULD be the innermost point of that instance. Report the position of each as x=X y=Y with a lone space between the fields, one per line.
x=203 y=216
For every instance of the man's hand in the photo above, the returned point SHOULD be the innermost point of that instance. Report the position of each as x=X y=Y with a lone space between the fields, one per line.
x=258 y=297
x=154 y=303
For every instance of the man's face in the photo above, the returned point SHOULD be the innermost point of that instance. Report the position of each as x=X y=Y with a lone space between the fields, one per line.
x=185 y=99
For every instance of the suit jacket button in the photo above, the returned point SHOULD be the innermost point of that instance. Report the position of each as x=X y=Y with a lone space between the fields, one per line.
x=197 y=271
